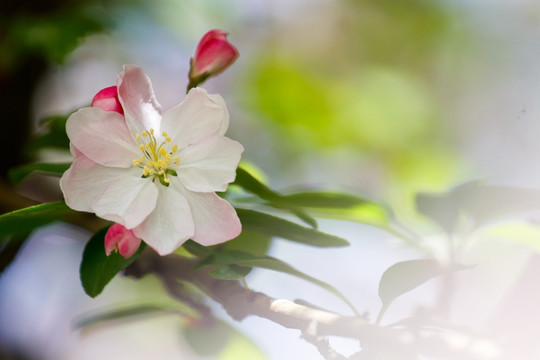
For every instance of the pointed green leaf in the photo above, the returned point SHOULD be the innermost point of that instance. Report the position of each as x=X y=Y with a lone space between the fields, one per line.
x=25 y=220
x=405 y=276
x=17 y=174
x=241 y=258
x=249 y=183
x=98 y=269
x=274 y=226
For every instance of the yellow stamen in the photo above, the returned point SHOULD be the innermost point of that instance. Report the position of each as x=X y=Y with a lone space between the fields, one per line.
x=136 y=162
x=145 y=133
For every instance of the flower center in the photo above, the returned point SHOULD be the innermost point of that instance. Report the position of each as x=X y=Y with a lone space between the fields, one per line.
x=157 y=158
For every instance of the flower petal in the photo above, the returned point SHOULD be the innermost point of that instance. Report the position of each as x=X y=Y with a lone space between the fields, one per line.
x=209 y=165
x=135 y=92
x=197 y=117
x=169 y=225
x=102 y=136
x=128 y=200
x=215 y=219
x=107 y=99
x=85 y=181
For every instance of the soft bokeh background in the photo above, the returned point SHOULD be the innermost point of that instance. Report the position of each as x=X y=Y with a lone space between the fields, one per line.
x=378 y=98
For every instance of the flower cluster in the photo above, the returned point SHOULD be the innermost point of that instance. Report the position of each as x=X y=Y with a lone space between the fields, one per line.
x=153 y=173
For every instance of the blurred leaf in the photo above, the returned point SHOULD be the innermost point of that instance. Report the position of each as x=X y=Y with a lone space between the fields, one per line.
x=405 y=276
x=248 y=241
x=274 y=226
x=481 y=203
x=241 y=258
x=119 y=314
x=9 y=248
x=17 y=174
x=226 y=342
x=196 y=249
x=53 y=35
x=25 y=220
x=249 y=183
x=230 y=272
x=54 y=137
x=324 y=200
x=98 y=269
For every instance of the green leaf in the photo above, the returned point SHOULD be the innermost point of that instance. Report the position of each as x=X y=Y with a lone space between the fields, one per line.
x=479 y=202
x=196 y=249
x=241 y=258
x=98 y=269
x=248 y=241
x=119 y=314
x=274 y=226
x=26 y=220
x=9 y=248
x=230 y=272
x=54 y=137
x=405 y=276
x=17 y=174
x=249 y=183
x=226 y=343
x=324 y=200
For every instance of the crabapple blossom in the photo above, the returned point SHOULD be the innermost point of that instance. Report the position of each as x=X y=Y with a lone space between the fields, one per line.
x=154 y=172
x=212 y=56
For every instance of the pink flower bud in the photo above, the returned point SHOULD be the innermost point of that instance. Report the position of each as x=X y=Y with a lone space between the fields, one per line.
x=107 y=99
x=120 y=239
x=213 y=55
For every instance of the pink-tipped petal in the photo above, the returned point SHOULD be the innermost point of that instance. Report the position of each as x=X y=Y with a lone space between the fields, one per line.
x=199 y=116
x=141 y=109
x=103 y=137
x=121 y=239
x=215 y=219
x=107 y=99
x=209 y=165
x=170 y=224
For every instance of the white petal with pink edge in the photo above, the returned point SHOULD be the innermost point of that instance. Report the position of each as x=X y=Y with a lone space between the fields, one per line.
x=199 y=116
x=215 y=219
x=209 y=165
x=102 y=136
x=141 y=109
x=170 y=224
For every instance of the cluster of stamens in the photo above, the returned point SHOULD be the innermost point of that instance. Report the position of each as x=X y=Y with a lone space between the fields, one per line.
x=156 y=158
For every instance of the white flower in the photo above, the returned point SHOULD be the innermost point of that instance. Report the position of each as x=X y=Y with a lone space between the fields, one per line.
x=152 y=172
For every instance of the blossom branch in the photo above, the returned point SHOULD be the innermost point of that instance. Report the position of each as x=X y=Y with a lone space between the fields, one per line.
x=239 y=303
